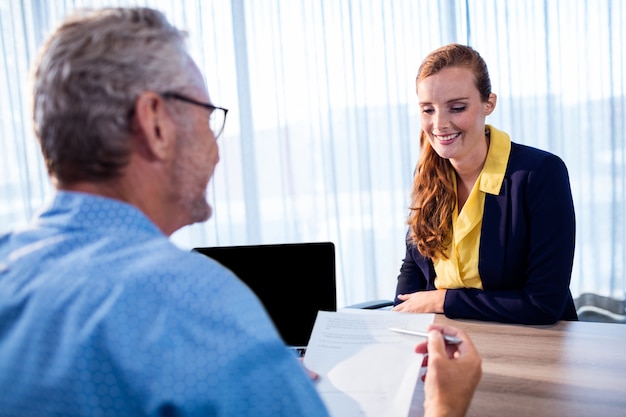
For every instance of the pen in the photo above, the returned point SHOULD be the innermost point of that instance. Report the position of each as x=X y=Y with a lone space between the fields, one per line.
x=451 y=340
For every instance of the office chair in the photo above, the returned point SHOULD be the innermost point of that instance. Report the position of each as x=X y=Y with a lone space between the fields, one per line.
x=373 y=305
x=598 y=308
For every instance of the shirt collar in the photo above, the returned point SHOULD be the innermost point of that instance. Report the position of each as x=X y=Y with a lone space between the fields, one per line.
x=492 y=174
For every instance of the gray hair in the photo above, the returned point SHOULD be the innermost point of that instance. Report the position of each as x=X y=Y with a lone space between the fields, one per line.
x=86 y=80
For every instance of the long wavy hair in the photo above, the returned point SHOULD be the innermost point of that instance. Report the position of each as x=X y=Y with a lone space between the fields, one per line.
x=433 y=198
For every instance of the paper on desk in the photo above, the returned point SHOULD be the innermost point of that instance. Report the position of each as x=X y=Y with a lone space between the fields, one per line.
x=365 y=369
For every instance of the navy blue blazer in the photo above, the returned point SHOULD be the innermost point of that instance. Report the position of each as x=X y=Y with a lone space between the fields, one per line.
x=526 y=250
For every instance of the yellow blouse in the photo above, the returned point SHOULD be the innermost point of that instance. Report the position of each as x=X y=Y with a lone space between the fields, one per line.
x=460 y=270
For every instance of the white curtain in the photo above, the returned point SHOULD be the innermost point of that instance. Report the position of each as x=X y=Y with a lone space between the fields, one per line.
x=322 y=134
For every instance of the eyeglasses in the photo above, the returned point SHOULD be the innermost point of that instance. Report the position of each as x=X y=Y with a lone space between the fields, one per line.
x=217 y=117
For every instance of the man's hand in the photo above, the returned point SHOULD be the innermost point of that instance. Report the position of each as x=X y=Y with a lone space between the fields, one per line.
x=452 y=375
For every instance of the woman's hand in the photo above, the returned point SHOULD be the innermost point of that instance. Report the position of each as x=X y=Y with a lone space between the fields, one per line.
x=422 y=302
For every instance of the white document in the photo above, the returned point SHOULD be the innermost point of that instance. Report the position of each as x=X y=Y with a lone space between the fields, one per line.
x=365 y=369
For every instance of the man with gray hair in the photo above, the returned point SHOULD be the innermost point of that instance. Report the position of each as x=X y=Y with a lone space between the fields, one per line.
x=100 y=314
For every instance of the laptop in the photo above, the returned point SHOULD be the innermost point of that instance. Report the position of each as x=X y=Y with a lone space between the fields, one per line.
x=293 y=281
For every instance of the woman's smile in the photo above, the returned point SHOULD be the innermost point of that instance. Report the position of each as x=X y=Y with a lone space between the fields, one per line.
x=446 y=139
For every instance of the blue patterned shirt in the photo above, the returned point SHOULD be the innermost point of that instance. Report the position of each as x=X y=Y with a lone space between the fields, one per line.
x=101 y=315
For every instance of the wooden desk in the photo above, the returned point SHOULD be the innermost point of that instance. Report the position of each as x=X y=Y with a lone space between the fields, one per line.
x=568 y=369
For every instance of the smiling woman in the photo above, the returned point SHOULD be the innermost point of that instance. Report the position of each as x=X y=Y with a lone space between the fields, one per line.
x=491 y=229
x=453 y=115
x=321 y=139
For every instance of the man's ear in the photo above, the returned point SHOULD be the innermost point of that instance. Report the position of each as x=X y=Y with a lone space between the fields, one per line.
x=490 y=104
x=154 y=125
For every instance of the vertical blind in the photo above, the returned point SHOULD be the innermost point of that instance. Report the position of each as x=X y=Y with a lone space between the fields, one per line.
x=322 y=135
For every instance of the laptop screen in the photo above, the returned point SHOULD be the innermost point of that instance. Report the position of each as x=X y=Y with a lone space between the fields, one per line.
x=293 y=281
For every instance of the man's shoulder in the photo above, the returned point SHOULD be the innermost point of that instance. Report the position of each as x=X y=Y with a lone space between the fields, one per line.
x=160 y=259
